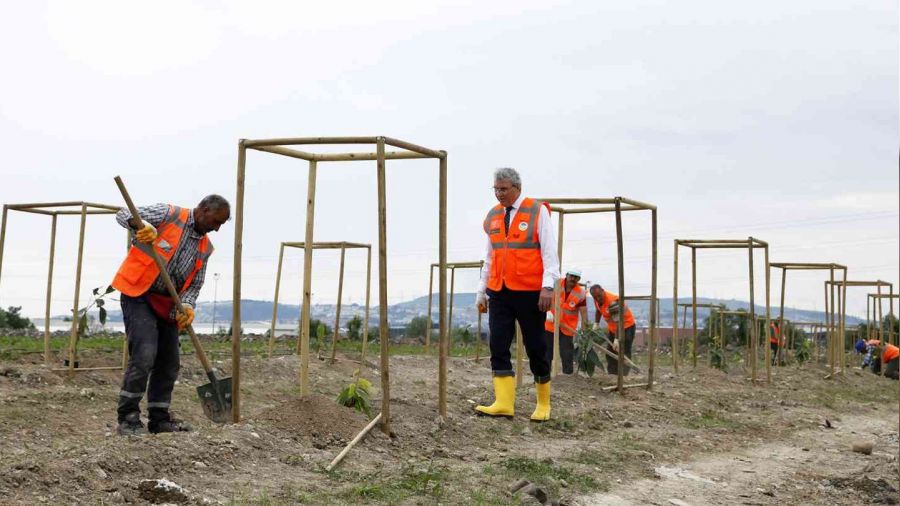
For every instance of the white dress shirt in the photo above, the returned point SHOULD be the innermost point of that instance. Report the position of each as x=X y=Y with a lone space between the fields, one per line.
x=547 y=238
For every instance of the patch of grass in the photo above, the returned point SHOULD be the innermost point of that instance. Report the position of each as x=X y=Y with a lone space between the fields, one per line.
x=429 y=482
x=710 y=419
x=547 y=474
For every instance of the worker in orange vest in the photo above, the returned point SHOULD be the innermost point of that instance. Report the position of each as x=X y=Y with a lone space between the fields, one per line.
x=152 y=321
x=520 y=269
x=572 y=302
x=608 y=306
x=890 y=359
x=776 y=340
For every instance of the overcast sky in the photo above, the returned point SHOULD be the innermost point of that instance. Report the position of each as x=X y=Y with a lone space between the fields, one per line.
x=770 y=118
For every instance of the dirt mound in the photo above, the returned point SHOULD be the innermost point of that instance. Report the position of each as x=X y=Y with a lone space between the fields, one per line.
x=316 y=418
x=877 y=490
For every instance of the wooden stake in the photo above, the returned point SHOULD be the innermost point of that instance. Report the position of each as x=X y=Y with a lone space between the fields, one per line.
x=478 y=340
x=337 y=315
x=831 y=334
x=365 y=343
x=428 y=328
x=675 y=313
x=620 y=331
x=49 y=291
x=769 y=306
x=556 y=364
x=843 y=341
x=694 y=306
x=620 y=388
x=520 y=356
x=654 y=303
x=779 y=353
x=236 y=286
x=307 y=278
x=452 y=290
x=275 y=304
x=73 y=338
x=3 y=236
x=337 y=460
x=443 y=322
x=383 y=326
x=751 y=325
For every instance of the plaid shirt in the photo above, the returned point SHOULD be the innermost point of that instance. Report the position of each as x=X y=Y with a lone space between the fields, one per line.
x=182 y=262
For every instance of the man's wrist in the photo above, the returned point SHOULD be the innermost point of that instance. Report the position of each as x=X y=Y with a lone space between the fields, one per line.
x=548 y=288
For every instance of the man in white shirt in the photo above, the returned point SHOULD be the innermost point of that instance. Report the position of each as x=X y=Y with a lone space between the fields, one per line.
x=520 y=269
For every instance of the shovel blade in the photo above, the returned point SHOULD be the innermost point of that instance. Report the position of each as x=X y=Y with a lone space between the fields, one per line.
x=216 y=407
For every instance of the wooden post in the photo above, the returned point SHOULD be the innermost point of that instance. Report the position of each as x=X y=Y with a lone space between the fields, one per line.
x=779 y=353
x=478 y=340
x=868 y=319
x=520 y=353
x=696 y=338
x=428 y=328
x=307 y=278
x=843 y=340
x=337 y=315
x=675 y=312
x=49 y=290
x=384 y=335
x=365 y=343
x=275 y=304
x=337 y=460
x=654 y=303
x=73 y=337
x=891 y=313
x=620 y=366
x=450 y=310
x=880 y=316
x=3 y=236
x=751 y=326
x=236 y=286
x=443 y=324
x=769 y=305
x=556 y=364
x=831 y=333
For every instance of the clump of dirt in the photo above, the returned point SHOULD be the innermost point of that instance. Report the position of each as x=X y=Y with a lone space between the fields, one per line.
x=877 y=491
x=316 y=418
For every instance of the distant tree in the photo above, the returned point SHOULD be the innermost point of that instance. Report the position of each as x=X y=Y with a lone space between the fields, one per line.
x=417 y=326
x=354 y=326
x=12 y=319
x=464 y=335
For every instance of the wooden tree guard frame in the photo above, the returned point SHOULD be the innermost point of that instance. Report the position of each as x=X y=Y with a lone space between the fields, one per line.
x=830 y=316
x=343 y=246
x=878 y=297
x=452 y=266
x=843 y=308
x=814 y=330
x=406 y=151
x=616 y=205
x=711 y=325
x=55 y=209
x=750 y=244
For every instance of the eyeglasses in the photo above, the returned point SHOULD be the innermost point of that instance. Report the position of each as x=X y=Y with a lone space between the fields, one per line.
x=501 y=191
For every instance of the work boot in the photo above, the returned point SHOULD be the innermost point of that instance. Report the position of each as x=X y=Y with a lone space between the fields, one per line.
x=504 y=398
x=131 y=425
x=542 y=409
x=169 y=425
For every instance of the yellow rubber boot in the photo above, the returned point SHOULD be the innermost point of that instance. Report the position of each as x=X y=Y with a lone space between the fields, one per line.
x=504 y=398
x=542 y=410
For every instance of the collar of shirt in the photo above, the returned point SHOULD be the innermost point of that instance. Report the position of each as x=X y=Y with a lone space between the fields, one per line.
x=518 y=203
x=189 y=226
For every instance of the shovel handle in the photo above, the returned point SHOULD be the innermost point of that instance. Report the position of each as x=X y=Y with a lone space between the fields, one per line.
x=164 y=274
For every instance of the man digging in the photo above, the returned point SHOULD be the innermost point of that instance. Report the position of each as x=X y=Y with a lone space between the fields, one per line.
x=608 y=306
x=152 y=322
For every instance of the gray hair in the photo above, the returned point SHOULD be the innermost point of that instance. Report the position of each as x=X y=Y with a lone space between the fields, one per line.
x=508 y=174
x=214 y=203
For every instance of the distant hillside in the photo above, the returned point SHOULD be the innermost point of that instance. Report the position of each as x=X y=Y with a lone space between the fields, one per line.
x=463 y=311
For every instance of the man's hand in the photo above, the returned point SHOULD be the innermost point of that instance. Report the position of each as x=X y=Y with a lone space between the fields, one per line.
x=615 y=345
x=550 y=317
x=545 y=299
x=481 y=302
x=146 y=234
x=185 y=316
x=596 y=326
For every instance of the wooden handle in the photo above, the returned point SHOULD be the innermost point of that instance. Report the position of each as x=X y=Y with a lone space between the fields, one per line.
x=163 y=273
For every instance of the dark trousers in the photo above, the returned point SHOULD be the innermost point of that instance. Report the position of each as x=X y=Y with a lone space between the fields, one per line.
x=892 y=370
x=774 y=348
x=612 y=365
x=566 y=350
x=505 y=308
x=153 y=350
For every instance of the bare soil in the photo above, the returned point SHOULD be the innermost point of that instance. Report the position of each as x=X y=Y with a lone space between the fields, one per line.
x=700 y=437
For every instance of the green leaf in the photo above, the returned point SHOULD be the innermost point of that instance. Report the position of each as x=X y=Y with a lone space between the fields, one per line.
x=96 y=291
x=109 y=289
x=100 y=302
x=102 y=316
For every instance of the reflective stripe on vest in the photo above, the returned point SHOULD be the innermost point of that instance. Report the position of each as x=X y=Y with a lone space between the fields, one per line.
x=569 y=309
x=516 y=255
x=138 y=271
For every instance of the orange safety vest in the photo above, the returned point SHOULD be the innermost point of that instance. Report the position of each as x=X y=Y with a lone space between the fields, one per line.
x=890 y=353
x=138 y=272
x=516 y=256
x=611 y=322
x=569 y=308
x=774 y=335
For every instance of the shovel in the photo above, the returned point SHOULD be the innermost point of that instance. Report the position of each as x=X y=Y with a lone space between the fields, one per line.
x=215 y=396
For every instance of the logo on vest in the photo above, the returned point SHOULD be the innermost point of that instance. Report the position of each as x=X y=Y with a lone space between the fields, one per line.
x=523 y=226
x=164 y=245
x=571 y=304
